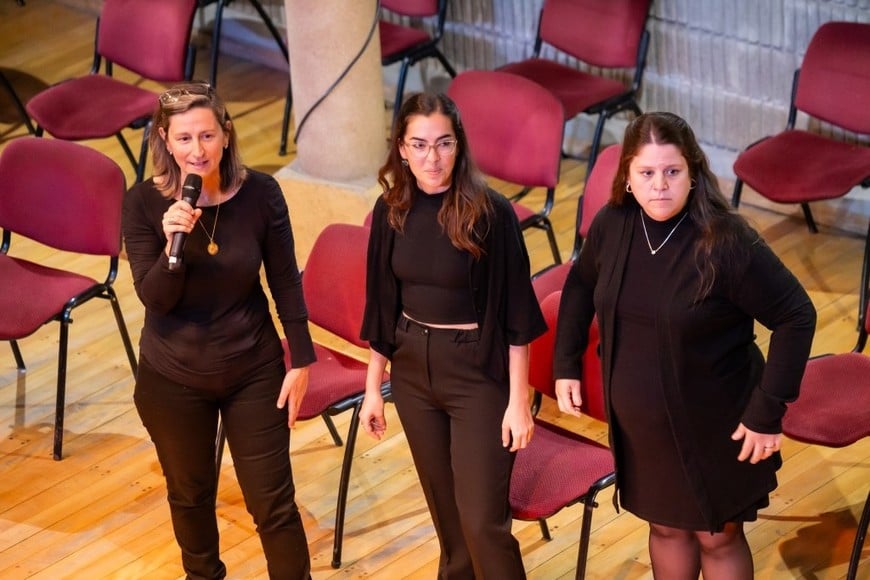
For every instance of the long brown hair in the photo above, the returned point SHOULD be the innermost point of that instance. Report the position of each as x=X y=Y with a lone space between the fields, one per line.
x=181 y=98
x=465 y=204
x=721 y=227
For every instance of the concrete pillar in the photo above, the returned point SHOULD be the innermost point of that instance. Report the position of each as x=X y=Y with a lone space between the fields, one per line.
x=343 y=139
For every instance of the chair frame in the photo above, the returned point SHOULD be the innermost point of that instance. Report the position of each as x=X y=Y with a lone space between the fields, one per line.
x=16 y=101
x=791 y=126
x=626 y=101
x=588 y=498
x=143 y=123
x=103 y=290
x=415 y=54
x=860 y=345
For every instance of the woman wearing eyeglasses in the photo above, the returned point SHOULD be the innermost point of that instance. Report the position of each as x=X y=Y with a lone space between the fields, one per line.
x=209 y=346
x=450 y=305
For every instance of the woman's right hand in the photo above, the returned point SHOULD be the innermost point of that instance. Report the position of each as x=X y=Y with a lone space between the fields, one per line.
x=371 y=415
x=180 y=217
x=568 y=396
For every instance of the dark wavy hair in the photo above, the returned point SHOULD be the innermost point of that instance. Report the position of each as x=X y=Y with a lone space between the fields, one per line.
x=723 y=230
x=181 y=98
x=466 y=205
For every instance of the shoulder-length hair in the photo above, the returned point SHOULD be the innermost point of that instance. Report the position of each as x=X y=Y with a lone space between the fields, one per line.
x=179 y=99
x=723 y=231
x=466 y=205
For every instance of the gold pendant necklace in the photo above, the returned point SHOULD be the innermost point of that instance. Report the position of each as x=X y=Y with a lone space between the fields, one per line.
x=212 y=247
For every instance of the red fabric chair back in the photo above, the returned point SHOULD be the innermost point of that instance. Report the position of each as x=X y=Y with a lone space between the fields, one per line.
x=604 y=34
x=62 y=194
x=148 y=37
x=334 y=280
x=834 y=82
x=514 y=126
x=598 y=187
x=541 y=362
x=416 y=8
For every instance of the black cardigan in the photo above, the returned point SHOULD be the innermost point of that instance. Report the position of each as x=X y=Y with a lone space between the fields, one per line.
x=714 y=374
x=507 y=310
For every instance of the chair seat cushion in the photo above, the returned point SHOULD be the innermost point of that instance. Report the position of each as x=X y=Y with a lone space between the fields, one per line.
x=555 y=470
x=90 y=107
x=396 y=39
x=32 y=294
x=798 y=166
x=578 y=91
x=833 y=408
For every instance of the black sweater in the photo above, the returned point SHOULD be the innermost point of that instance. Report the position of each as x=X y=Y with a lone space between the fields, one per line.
x=208 y=323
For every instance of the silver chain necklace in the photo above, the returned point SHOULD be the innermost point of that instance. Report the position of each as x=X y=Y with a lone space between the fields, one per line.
x=646 y=235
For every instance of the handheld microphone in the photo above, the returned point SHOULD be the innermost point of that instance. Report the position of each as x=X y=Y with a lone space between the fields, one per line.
x=190 y=193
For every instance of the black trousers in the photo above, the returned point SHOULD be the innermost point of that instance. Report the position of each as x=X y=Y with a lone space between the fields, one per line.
x=182 y=422
x=452 y=412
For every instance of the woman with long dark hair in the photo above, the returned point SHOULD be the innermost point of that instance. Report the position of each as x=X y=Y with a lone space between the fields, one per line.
x=678 y=280
x=451 y=307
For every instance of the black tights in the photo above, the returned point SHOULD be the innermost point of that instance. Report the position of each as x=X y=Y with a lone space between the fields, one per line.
x=682 y=554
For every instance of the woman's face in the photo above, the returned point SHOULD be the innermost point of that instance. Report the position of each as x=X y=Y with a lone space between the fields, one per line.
x=659 y=180
x=429 y=146
x=196 y=141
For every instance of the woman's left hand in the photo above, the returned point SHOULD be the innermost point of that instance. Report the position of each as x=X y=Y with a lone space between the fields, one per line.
x=517 y=426
x=756 y=446
x=292 y=391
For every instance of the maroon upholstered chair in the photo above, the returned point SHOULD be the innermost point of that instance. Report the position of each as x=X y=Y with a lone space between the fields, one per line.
x=832 y=86
x=560 y=468
x=596 y=193
x=408 y=44
x=833 y=408
x=150 y=38
x=68 y=197
x=514 y=129
x=608 y=39
x=334 y=285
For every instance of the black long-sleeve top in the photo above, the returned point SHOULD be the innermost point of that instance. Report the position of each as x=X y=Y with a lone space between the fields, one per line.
x=208 y=323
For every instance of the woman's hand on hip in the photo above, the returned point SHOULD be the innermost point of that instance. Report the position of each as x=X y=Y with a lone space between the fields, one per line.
x=569 y=396
x=756 y=446
x=292 y=392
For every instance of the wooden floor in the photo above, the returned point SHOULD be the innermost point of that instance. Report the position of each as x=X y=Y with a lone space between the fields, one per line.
x=102 y=513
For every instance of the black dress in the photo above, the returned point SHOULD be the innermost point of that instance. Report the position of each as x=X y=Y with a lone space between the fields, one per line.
x=652 y=479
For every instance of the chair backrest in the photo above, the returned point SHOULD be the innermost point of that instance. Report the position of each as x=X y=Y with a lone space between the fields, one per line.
x=596 y=192
x=148 y=37
x=541 y=362
x=834 y=82
x=415 y=8
x=334 y=280
x=605 y=34
x=62 y=194
x=514 y=126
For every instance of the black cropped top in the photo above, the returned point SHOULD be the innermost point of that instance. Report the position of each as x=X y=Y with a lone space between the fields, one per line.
x=434 y=284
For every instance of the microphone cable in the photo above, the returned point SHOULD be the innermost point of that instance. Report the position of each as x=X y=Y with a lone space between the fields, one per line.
x=343 y=74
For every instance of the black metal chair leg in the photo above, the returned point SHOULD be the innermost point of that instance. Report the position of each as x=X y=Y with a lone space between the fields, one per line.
x=343 y=485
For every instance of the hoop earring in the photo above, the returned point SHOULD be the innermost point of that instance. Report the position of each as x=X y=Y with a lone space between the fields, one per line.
x=692 y=186
x=628 y=187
